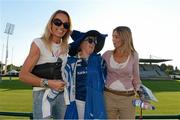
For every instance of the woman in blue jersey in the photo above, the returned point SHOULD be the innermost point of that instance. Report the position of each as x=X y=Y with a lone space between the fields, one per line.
x=85 y=72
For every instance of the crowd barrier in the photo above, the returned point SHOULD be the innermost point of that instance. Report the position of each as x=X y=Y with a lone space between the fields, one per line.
x=30 y=116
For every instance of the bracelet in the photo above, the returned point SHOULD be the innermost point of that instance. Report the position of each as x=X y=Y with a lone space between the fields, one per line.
x=44 y=83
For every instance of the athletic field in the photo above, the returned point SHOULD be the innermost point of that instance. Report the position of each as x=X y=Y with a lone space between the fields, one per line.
x=16 y=96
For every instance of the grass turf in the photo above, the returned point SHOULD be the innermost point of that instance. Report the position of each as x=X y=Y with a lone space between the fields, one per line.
x=17 y=97
x=168 y=94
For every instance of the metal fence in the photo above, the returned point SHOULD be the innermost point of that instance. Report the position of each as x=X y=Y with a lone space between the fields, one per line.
x=19 y=114
x=30 y=116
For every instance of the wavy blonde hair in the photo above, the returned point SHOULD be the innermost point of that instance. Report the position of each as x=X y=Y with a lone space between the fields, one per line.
x=48 y=34
x=125 y=34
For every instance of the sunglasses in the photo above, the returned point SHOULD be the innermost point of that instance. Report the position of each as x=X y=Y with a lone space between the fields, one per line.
x=91 y=40
x=58 y=23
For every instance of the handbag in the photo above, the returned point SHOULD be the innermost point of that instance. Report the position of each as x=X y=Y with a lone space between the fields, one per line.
x=48 y=70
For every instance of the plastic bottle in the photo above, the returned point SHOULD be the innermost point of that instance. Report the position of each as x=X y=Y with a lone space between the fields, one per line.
x=52 y=95
x=143 y=104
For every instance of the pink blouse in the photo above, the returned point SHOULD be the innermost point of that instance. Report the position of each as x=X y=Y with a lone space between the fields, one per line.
x=128 y=75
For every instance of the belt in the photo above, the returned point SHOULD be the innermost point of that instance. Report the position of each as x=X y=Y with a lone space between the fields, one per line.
x=122 y=93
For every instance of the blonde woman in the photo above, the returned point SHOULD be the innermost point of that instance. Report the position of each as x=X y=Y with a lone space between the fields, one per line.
x=51 y=47
x=122 y=75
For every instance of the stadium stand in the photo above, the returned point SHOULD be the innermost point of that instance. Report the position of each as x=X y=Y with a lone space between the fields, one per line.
x=150 y=70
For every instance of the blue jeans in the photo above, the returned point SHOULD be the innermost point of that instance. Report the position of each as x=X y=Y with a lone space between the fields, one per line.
x=58 y=106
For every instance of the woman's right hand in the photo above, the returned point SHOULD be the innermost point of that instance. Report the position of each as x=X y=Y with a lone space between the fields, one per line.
x=56 y=84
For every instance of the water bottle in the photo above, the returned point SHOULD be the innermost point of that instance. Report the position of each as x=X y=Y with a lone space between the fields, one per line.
x=52 y=95
x=143 y=104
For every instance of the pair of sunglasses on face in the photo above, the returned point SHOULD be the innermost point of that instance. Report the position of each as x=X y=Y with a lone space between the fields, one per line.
x=58 y=23
x=91 y=40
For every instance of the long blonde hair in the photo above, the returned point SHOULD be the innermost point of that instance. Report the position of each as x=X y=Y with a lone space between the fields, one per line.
x=125 y=34
x=47 y=33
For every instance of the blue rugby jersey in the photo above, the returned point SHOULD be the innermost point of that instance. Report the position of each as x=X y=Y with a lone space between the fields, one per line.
x=81 y=79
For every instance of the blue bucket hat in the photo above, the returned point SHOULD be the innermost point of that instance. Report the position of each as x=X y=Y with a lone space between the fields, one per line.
x=78 y=37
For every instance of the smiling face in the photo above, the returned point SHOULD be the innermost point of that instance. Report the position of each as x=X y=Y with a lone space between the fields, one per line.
x=87 y=48
x=122 y=40
x=59 y=25
x=117 y=42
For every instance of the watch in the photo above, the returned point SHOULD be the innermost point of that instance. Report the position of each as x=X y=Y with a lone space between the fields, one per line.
x=44 y=82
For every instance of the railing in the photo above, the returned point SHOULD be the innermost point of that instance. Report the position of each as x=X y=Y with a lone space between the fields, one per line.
x=29 y=114
x=159 y=117
x=19 y=114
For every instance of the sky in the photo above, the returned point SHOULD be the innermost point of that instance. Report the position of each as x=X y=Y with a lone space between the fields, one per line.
x=155 y=24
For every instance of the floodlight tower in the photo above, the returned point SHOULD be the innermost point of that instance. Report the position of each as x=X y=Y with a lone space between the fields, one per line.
x=9 y=31
x=1 y=62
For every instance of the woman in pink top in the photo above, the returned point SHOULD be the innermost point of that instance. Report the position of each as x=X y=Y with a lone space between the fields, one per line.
x=122 y=75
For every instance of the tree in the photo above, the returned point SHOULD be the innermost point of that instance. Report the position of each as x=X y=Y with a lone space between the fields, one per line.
x=12 y=67
x=163 y=67
x=177 y=71
x=168 y=69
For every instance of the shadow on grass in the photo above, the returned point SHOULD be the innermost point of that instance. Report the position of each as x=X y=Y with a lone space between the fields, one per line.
x=14 y=85
x=163 y=85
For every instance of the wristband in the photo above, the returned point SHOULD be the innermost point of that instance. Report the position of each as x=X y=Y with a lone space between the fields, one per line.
x=44 y=83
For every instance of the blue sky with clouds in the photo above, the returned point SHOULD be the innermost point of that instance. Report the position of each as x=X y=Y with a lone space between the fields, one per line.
x=154 y=23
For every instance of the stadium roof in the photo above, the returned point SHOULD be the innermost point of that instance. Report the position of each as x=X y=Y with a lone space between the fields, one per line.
x=154 y=60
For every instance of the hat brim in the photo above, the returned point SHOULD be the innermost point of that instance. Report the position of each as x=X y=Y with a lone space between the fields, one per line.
x=78 y=37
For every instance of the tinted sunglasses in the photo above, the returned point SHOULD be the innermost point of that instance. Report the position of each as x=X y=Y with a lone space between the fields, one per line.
x=91 y=40
x=58 y=23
